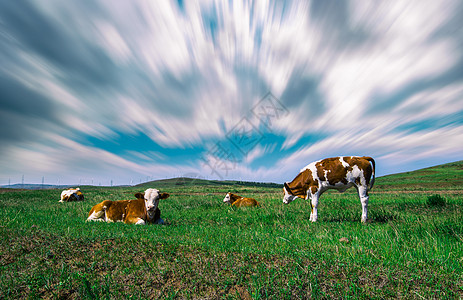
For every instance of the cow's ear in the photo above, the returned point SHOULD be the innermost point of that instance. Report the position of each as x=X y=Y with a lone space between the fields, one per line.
x=288 y=189
x=140 y=196
x=164 y=196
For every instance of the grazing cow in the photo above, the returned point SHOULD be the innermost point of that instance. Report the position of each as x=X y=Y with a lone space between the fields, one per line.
x=239 y=201
x=140 y=211
x=71 y=195
x=338 y=173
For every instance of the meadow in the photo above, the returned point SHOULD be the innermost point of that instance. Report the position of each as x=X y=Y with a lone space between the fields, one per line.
x=411 y=247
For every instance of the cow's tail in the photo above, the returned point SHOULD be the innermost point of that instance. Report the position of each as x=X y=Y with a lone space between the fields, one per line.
x=370 y=159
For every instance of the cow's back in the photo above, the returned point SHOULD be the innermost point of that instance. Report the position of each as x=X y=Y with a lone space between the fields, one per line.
x=338 y=173
x=110 y=211
x=117 y=210
x=246 y=202
x=344 y=170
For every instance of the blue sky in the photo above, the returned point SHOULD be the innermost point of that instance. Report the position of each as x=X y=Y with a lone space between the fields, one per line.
x=94 y=92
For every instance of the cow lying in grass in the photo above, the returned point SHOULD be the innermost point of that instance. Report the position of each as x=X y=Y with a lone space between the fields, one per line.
x=239 y=201
x=338 y=173
x=142 y=210
x=71 y=195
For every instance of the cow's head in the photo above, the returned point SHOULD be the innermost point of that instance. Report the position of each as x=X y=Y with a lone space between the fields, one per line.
x=289 y=196
x=78 y=195
x=152 y=197
x=227 y=198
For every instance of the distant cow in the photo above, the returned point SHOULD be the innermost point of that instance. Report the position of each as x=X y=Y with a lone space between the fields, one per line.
x=142 y=210
x=239 y=201
x=71 y=195
x=338 y=173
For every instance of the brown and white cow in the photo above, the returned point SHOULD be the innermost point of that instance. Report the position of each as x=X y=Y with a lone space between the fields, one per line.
x=71 y=195
x=338 y=173
x=239 y=201
x=142 y=210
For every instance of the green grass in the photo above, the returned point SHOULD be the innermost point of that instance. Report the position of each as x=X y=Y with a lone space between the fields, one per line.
x=442 y=177
x=409 y=249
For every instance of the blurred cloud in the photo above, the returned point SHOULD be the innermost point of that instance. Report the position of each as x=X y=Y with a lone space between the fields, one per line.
x=140 y=89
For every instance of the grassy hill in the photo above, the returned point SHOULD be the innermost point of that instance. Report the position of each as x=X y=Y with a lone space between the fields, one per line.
x=441 y=177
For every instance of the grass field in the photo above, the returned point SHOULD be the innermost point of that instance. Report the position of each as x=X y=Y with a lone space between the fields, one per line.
x=411 y=248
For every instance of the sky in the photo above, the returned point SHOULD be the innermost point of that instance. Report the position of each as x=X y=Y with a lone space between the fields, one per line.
x=117 y=93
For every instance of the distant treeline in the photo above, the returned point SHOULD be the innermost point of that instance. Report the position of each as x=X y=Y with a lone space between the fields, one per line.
x=261 y=184
x=188 y=181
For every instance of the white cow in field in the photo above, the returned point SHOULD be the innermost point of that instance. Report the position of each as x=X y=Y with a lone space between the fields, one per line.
x=71 y=195
x=338 y=173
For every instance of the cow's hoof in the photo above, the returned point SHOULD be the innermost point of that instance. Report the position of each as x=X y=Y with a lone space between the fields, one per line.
x=160 y=222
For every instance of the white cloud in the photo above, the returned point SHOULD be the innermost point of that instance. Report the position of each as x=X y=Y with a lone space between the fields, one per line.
x=184 y=78
x=113 y=42
x=259 y=151
x=431 y=103
x=70 y=162
x=292 y=140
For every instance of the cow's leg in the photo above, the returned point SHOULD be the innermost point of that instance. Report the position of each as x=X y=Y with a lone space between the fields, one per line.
x=160 y=222
x=140 y=222
x=314 y=203
x=134 y=220
x=363 y=195
x=96 y=215
x=308 y=197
